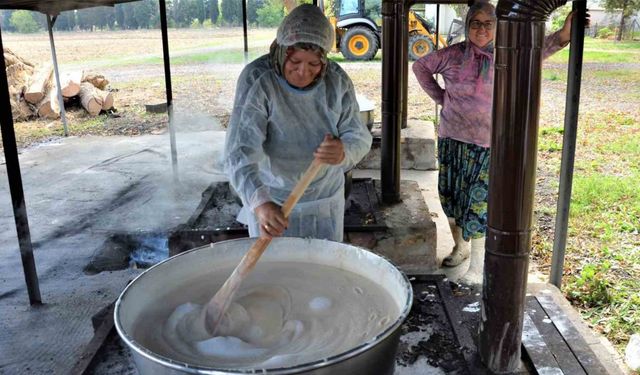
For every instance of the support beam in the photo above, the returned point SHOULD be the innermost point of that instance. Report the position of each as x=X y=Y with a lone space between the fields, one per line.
x=516 y=104
x=56 y=72
x=244 y=31
x=15 y=187
x=574 y=79
x=394 y=28
x=167 y=80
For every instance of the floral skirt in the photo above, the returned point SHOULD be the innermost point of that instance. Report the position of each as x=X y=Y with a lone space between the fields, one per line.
x=463 y=184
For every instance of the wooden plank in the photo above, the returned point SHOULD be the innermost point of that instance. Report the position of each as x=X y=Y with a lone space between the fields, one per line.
x=95 y=344
x=552 y=338
x=537 y=350
x=574 y=339
x=462 y=334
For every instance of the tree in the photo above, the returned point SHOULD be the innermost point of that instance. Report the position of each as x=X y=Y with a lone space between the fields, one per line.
x=66 y=21
x=625 y=7
x=144 y=13
x=23 y=22
x=214 y=11
x=231 y=12
x=558 y=17
x=252 y=10
x=120 y=10
x=271 y=14
x=5 y=20
x=461 y=10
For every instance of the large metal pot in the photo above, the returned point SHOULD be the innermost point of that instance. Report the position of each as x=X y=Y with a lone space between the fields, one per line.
x=374 y=357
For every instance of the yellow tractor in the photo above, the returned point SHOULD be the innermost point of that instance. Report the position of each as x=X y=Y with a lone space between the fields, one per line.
x=358 y=31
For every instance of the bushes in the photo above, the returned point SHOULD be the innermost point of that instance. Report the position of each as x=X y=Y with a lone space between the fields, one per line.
x=23 y=22
x=271 y=14
x=604 y=33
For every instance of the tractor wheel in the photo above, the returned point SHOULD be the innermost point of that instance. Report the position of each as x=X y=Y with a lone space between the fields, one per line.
x=359 y=43
x=420 y=45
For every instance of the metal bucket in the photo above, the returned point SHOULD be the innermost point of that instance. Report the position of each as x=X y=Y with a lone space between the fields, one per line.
x=377 y=356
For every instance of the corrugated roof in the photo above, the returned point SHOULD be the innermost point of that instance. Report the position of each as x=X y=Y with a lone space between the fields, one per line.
x=54 y=7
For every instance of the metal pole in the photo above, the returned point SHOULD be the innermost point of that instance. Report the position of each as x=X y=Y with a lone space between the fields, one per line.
x=574 y=78
x=515 y=114
x=393 y=59
x=54 y=58
x=244 y=31
x=437 y=25
x=405 y=68
x=437 y=41
x=15 y=187
x=167 y=80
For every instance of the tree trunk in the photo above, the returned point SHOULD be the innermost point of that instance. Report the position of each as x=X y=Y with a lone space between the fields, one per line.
x=20 y=110
x=90 y=98
x=18 y=77
x=39 y=83
x=97 y=80
x=107 y=99
x=71 y=84
x=45 y=108
x=622 y=17
x=11 y=58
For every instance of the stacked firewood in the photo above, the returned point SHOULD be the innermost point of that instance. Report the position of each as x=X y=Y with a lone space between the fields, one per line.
x=33 y=90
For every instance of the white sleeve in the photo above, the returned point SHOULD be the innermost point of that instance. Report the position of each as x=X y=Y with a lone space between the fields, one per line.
x=246 y=133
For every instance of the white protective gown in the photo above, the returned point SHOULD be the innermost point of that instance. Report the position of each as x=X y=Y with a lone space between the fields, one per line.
x=274 y=130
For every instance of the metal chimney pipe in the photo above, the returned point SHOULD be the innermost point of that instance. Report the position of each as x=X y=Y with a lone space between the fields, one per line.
x=516 y=101
x=394 y=28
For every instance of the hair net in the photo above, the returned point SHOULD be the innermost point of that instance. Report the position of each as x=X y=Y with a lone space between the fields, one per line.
x=306 y=24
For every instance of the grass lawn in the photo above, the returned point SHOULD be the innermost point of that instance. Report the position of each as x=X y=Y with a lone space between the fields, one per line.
x=602 y=268
x=604 y=51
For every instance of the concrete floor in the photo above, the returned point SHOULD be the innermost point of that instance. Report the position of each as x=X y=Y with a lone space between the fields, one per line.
x=79 y=191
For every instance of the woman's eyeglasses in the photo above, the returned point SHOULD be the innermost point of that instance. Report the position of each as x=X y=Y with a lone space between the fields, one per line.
x=476 y=25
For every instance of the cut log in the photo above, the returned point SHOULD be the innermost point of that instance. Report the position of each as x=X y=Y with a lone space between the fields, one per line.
x=53 y=98
x=107 y=100
x=20 y=110
x=11 y=58
x=90 y=98
x=97 y=80
x=18 y=76
x=48 y=107
x=46 y=110
x=39 y=84
x=71 y=84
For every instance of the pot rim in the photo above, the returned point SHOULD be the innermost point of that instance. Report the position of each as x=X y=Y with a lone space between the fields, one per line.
x=325 y=362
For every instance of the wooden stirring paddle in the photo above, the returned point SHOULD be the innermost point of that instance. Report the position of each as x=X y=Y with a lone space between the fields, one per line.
x=218 y=305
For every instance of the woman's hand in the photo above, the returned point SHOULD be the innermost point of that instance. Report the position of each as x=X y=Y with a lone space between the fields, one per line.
x=330 y=151
x=272 y=221
x=565 y=32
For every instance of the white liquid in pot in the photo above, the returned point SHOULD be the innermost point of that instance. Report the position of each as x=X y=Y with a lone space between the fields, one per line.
x=284 y=314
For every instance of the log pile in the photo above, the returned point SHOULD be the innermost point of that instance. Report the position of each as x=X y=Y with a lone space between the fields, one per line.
x=33 y=92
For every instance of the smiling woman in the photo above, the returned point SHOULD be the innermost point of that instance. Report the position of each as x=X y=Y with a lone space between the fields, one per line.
x=464 y=137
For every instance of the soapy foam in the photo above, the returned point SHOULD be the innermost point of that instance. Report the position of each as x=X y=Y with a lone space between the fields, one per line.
x=285 y=314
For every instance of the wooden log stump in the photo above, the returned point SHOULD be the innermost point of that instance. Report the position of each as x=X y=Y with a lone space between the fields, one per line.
x=11 y=58
x=20 y=110
x=107 y=100
x=49 y=107
x=71 y=84
x=97 y=80
x=90 y=98
x=39 y=83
